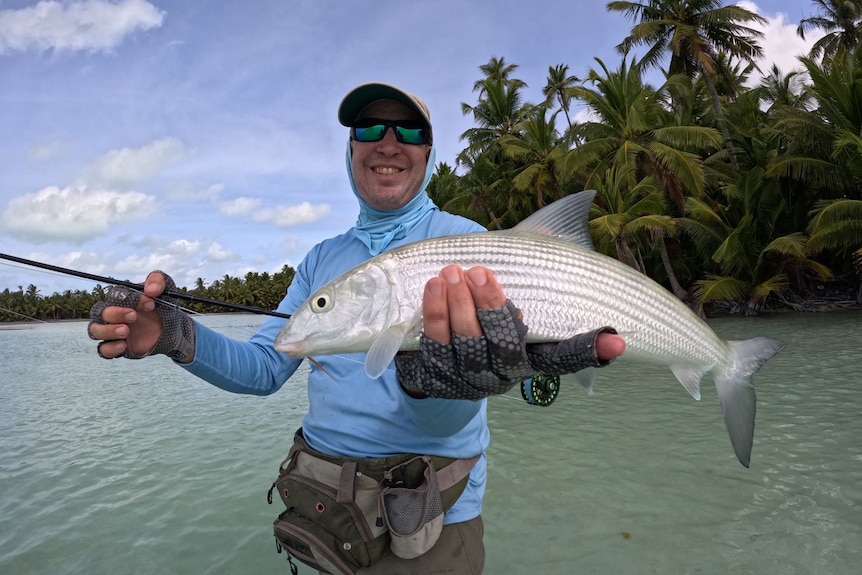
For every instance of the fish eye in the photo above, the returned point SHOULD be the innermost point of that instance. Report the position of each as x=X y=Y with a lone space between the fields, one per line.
x=320 y=303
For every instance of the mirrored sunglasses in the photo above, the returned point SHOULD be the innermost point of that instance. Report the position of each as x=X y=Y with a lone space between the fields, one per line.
x=406 y=132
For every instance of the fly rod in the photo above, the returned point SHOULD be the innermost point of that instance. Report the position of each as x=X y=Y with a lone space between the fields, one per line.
x=140 y=287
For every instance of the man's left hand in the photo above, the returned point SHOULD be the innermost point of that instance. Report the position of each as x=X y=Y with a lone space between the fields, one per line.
x=460 y=361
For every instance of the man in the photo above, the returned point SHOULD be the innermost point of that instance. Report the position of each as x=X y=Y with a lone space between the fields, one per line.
x=437 y=412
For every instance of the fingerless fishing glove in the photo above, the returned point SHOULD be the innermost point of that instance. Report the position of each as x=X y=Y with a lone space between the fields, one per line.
x=491 y=364
x=177 y=339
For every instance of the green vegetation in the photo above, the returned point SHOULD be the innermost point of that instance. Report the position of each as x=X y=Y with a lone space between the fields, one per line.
x=738 y=197
x=262 y=290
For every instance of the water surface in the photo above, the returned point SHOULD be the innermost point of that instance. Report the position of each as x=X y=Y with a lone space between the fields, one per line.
x=137 y=467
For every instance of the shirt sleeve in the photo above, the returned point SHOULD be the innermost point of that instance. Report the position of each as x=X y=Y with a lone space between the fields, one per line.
x=254 y=366
x=249 y=367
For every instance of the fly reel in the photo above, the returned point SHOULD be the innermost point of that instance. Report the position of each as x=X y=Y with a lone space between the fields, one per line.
x=541 y=389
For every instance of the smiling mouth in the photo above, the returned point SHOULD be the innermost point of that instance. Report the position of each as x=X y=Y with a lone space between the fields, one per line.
x=386 y=171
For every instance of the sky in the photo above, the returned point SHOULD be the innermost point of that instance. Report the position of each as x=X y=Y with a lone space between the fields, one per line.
x=201 y=138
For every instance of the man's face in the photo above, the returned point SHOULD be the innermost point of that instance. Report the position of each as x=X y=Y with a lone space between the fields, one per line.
x=388 y=173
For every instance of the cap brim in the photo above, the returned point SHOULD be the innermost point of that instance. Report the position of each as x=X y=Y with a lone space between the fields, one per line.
x=358 y=98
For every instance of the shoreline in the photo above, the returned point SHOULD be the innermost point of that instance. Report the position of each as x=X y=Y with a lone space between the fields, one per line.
x=811 y=306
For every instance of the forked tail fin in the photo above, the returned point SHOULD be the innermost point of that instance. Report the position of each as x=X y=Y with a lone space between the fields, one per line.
x=736 y=391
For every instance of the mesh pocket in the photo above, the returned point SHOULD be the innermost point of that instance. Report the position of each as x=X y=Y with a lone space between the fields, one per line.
x=414 y=516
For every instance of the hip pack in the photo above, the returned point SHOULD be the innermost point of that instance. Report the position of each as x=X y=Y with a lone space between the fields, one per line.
x=343 y=513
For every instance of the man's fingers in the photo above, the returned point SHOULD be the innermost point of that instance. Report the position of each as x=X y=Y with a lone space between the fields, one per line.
x=450 y=301
x=117 y=314
x=462 y=310
x=435 y=311
x=609 y=346
x=154 y=285
x=108 y=331
x=486 y=291
x=111 y=349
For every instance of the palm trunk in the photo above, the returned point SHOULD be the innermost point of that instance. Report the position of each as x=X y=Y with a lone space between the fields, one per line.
x=678 y=290
x=624 y=253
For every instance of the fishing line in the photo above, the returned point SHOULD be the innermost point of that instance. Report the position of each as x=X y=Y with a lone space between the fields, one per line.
x=22 y=315
x=140 y=287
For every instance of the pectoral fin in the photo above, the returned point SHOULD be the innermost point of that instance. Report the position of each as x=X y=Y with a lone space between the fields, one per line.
x=384 y=348
x=383 y=351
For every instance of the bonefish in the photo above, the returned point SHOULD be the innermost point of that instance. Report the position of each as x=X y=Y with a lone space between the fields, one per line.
x=548 y=268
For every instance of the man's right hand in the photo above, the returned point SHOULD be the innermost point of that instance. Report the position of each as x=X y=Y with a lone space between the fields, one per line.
x=130 y=325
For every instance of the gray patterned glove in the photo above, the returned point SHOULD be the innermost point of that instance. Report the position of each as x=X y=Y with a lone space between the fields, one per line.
x=177 y=340
x=476 y=367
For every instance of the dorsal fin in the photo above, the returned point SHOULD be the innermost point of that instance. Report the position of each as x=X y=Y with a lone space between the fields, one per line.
x=567 y=218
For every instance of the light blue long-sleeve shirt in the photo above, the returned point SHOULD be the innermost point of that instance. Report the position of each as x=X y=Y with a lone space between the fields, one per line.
x=354 y=416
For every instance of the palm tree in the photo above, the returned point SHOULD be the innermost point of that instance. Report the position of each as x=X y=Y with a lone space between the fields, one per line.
x=538 y=150
x=819 y=147
x=841 y=20
x=444 y=184
x=631 y=129
x=558 y=88
x=481 y=192
x=693 y=33
x=626 y=218
x=495 y=114
x=784 y=90
x=498 y=113
x=497 y=70
x=836 y=225
x=737 y=236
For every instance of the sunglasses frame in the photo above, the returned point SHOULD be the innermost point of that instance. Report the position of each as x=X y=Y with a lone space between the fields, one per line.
x=396 y=126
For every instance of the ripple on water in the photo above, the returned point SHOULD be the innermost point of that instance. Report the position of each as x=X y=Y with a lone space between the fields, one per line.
x=114 y=467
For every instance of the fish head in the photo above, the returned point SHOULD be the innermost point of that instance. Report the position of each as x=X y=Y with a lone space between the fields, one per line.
x=344 y=316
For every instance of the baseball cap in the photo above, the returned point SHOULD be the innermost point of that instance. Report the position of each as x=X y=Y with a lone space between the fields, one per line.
x=359 y=97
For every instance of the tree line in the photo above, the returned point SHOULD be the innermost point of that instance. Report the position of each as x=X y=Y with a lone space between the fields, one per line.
x=258 y=289
x=738 y=195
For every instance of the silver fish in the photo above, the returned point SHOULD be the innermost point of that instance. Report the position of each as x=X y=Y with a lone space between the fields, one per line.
x=548 y=268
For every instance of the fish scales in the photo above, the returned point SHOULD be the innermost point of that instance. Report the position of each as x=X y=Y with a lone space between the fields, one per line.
x=546 y=266
x=563 y=289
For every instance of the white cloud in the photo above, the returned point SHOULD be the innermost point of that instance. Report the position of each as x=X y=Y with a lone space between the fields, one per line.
x=216 y=252
x=176 y=255
x=240 y=206
x=91 y=25
x=129 y=166
x=288 y=216
x=781 y=45
x=282 y=216
x=90 y=262
x=73 y=213
x=184 y=260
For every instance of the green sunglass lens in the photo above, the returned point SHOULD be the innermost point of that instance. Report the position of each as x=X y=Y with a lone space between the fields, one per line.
x=410 y=135
x=369 y=134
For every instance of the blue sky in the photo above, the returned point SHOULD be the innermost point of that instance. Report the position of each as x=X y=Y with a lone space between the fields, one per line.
x=203 y=141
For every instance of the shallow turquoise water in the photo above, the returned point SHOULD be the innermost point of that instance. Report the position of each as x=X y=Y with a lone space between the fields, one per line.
x=137 y=467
